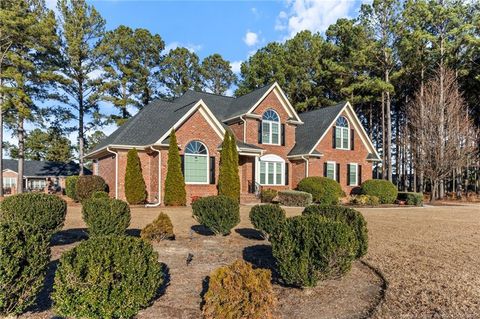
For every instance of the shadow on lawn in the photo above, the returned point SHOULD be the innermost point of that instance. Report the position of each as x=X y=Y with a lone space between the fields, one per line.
x=260 y=256
x=202 y=230
x=134 y=232
x=69 y=236
x=249 y=233
x=44 y=301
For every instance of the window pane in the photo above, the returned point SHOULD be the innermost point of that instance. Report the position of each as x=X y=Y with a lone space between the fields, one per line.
x=278 y=173
x=345 y=137
x=353 y=174
x=270 y=173
x=338 y=137
x=262 y=172
x=275 y=133
x=265 y=132
x=196 y=170
x=331 y=170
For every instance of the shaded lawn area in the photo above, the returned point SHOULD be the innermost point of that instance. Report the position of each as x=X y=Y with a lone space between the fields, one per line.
x=429 y=256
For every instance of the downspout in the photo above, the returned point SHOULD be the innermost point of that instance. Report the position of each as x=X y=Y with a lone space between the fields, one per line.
x=244 y=128
x=159 y=179
x=306 y=165
x=116 y=171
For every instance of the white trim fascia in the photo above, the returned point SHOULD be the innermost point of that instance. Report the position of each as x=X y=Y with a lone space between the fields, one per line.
x=237 y=117
x=212 y=121
x=281 y=97
x=299 y=156
x=250 y=154
x=294 y=122
x=355 y=121
x=117 y=146
x=9 y=170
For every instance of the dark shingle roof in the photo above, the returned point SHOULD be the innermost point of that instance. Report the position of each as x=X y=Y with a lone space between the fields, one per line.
x=45 y=168
x=316 y=122
x=155 y=119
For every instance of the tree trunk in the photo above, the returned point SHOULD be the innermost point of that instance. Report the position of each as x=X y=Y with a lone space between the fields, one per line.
x=384 y=162
x=21 y=155
x=433 y=195
x=1 y=141
x=388 y=144
x=81 y=140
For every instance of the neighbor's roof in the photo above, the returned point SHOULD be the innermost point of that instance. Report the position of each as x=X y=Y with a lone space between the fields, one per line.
x=155 y=119
x=315 y=123
x=45 y=168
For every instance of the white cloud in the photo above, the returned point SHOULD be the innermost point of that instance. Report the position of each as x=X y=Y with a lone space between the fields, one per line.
x=255 y=12
x=251 y=38
x=235 y=65
x=313 y=15
x=189 y=46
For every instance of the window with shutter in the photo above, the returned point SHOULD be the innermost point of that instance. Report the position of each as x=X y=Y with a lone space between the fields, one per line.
x=342 y=134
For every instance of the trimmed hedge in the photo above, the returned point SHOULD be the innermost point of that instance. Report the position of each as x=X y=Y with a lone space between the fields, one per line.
x=384 y=190
x=365 y=200
x=267 y=195
x=312 y=248
x=71 y=187
x=24 y=257
x=100 y=194
x=324 y=190
x=266 y=218
x=219 y=213
x=228 y=178
x=350 y=216
x=238 y=291
x=294 y=198
x=135 y=189
x=160 y=229
x=175 y=194
x=89 y=184
x=107 y=277
x=106 y=216
x=46 y=212
x=411 y=198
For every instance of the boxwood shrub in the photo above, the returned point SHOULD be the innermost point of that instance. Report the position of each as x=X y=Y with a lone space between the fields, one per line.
x=267 y=195
x=238 y=291
x=100 y=194
x=411 y=198
x=312 y=248
x=294 y=198
x=89 y=184
x=46 y=212
x=324 y=190
x=219 y=213
x=71 y=187
x=160 y=229
x=384 y=190
x=106 y=216
x=350 y=216
x=24 y=257
x=266 y=218
x=365 y=200
x=107 y=277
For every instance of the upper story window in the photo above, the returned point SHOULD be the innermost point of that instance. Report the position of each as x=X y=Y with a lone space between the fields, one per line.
x=342 y=134
x=270 y=127
x=196 y=163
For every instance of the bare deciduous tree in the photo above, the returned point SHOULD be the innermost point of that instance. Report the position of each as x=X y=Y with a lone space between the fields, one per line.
x=444 y=132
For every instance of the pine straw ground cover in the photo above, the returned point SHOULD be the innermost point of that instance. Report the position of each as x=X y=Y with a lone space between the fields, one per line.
x=429 y=256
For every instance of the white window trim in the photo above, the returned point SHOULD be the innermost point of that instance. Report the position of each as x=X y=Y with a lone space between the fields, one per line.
x=208 y=165
x=270 y=158
x=334 y=170
x=270 y=124
x=342 y=129
x=356 y=174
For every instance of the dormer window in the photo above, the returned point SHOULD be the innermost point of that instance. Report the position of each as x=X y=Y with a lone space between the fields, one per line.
x=342 y=134
x=270 y=128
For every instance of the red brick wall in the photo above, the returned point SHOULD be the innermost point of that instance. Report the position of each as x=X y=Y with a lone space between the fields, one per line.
x=106 y=169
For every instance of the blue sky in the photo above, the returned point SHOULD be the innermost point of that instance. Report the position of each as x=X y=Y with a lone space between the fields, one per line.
x=235 y=29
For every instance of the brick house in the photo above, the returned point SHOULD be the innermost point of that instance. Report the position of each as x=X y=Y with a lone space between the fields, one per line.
x=277 y=147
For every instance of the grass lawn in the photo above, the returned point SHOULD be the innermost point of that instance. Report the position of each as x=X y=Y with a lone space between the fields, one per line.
x=429 y=257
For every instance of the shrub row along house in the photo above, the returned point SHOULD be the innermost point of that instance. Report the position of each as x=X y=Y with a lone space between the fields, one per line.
x=277 y=147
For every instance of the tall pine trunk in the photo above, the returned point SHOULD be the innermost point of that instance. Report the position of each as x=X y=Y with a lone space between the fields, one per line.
x=384 y=161
x=1 y=141
x=21 y=154
x=81 y=140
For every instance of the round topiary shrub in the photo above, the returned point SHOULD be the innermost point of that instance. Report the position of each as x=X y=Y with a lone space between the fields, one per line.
x=160 y=229
x=219 y=213
x=312 y=248
x=324 y=190
x=24 y=257
x=239 y=291
x=100 y=194
x=266 y=218
x=71 y=187
x=267 y=195
x=106 y=216
x=350 y=216
x=107 y=277
x=47 y=212
x=89 y=184
x=385 y=190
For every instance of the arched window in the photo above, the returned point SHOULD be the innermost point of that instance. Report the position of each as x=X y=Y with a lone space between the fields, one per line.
x=270 y=127
x=342 y=134
x=271 y=170
x=196 y=163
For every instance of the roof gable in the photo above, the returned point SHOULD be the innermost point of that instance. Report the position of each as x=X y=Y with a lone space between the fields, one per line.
x=44 y=168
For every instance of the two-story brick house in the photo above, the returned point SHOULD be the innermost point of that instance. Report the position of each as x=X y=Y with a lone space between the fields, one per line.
x=277 y=147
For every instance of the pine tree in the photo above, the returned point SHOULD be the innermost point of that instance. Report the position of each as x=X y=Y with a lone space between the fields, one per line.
x=135 y=190
x=175 y=194
x=228 y=179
